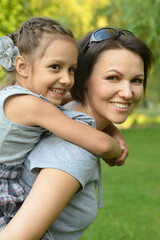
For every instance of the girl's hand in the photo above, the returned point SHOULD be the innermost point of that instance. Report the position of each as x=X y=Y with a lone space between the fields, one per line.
x=118 y=161
x=113 y=131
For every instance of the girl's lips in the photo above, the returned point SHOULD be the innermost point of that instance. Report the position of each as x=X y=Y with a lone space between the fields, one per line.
x=58 y=92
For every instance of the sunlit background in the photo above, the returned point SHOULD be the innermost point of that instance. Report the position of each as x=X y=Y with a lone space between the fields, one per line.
x=132 y=192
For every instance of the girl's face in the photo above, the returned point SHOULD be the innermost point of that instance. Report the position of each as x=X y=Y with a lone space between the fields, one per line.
x=53 y=74
x=115 y=86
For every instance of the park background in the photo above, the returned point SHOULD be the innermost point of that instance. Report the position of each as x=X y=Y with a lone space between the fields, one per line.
x=131 y=193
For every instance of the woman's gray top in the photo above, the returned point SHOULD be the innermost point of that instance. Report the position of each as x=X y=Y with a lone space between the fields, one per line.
x=55 y=152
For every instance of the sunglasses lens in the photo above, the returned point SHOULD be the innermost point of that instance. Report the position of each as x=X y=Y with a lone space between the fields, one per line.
x=127 y=33
x=104 y=34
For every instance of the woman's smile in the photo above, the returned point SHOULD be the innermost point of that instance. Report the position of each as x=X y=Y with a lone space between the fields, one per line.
x=113 y=91
x=121 y=106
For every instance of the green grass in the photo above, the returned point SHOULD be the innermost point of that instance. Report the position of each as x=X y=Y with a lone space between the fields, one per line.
x=131 y=193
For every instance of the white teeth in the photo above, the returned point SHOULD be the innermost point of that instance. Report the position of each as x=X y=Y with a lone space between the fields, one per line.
x=57 y=91
x=120 y=105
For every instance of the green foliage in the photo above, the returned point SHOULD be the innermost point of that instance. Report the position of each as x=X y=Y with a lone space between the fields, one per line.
x=76 y=15
x=131 y=193
x=11 y=14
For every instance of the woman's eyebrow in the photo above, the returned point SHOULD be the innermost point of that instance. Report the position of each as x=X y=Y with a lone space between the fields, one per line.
x=140 y=75
x=114 y=70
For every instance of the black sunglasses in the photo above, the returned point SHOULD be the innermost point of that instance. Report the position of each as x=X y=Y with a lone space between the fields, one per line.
x=105 y=33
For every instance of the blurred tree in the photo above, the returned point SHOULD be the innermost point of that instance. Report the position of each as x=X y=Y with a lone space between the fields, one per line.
x=141 y=17
x=76 y=15
x=12 y=13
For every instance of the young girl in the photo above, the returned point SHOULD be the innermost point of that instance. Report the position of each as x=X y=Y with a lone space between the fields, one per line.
x=107 y=88
x=42 y=55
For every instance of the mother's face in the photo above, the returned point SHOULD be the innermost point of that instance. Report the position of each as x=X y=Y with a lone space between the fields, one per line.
x=115 y=85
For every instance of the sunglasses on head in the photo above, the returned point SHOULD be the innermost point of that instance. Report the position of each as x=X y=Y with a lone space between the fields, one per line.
x=105 y=33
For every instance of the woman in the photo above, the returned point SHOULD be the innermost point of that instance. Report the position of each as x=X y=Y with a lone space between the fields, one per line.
x=110 y=80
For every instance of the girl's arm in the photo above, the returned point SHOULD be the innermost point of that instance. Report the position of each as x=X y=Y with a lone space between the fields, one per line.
x=49 y=195
x=32 y=111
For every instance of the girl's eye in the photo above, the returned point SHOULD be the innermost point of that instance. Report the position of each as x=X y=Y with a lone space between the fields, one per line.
x=56 y=67
x=72 y=70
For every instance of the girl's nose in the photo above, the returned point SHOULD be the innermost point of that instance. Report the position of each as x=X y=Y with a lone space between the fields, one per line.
x=66 y=80
x=126 y=90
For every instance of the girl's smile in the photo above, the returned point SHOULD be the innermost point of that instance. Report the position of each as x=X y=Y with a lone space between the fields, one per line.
x=52 y=74
x=57 y=92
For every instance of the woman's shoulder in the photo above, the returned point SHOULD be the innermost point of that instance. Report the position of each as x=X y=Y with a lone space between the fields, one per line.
x=78 y=116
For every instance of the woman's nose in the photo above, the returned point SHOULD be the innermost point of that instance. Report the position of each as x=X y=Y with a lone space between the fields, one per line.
x=126 y=90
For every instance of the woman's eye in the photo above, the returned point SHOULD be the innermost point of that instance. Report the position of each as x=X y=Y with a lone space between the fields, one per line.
x=112 y=78
x=137 y=80
x=56 y=67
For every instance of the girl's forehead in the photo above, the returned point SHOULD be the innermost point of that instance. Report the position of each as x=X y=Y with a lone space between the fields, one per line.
x=51 y=45
x=51 y=37
x=59 y=43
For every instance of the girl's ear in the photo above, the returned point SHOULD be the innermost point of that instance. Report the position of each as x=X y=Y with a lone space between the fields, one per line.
x=21 y=66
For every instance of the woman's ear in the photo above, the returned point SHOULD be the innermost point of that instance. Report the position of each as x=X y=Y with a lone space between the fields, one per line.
x=21 y=66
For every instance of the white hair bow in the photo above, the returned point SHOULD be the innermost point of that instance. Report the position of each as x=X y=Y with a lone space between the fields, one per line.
x=8 y=53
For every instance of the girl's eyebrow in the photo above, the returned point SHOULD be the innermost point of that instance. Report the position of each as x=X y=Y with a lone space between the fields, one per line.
x=59 y=61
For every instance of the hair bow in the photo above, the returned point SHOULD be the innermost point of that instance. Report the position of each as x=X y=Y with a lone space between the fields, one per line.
x=8 y=53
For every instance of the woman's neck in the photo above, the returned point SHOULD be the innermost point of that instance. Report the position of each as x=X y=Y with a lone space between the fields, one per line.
x=76 y=106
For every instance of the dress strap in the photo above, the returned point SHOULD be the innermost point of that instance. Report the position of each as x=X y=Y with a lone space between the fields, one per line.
x=100 y=197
